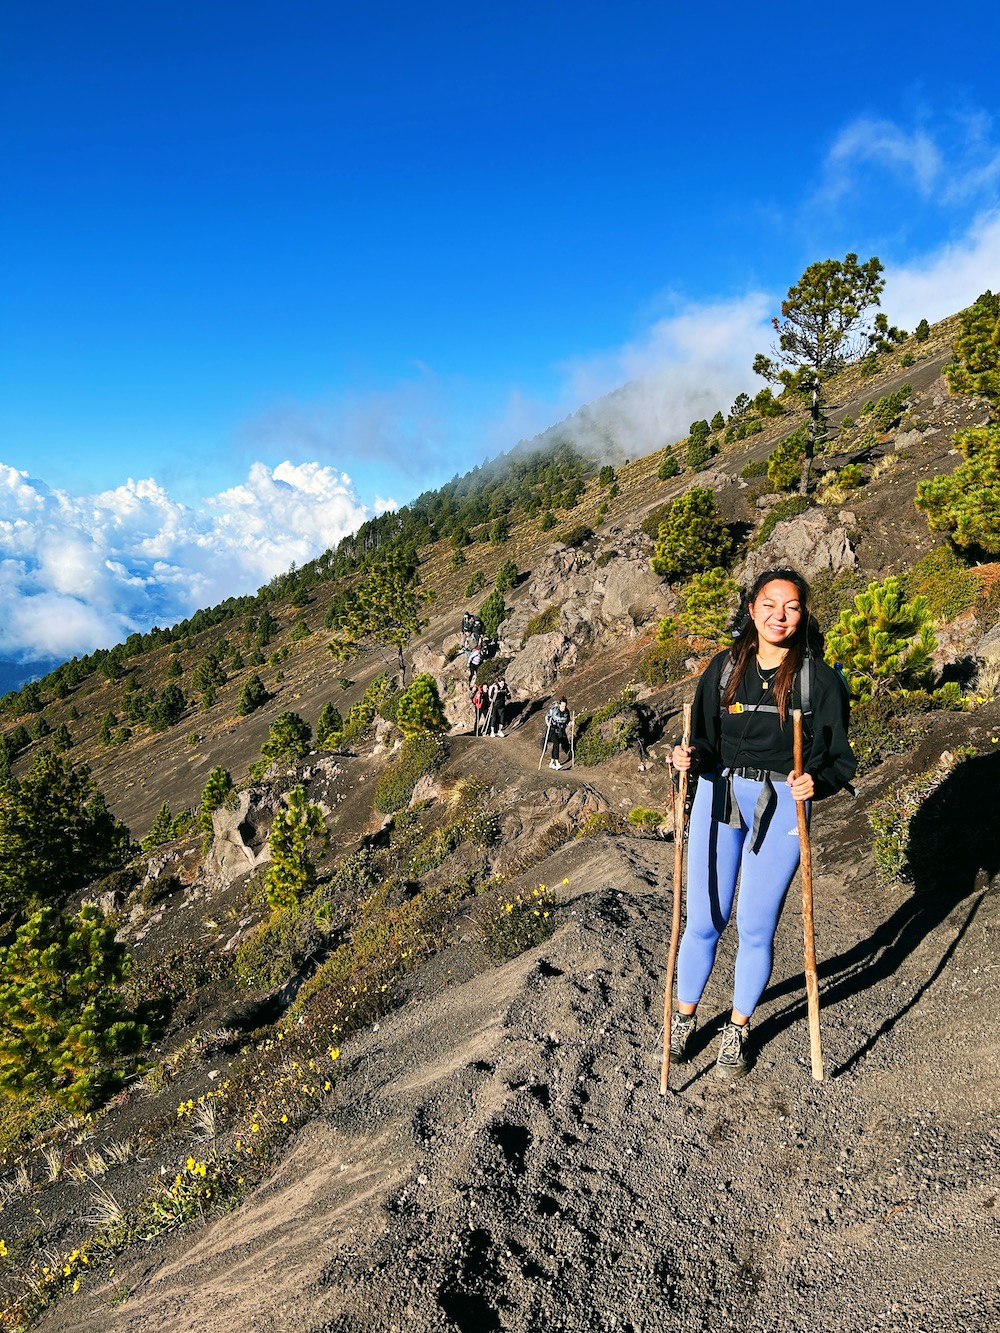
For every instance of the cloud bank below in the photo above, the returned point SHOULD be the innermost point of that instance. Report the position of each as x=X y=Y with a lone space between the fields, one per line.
x=83 y=572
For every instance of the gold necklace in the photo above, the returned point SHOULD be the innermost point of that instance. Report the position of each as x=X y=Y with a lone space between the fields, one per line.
x=764 y=684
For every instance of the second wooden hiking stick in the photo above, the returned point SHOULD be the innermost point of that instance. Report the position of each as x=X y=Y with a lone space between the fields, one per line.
x=808 y=933
x=680 y=804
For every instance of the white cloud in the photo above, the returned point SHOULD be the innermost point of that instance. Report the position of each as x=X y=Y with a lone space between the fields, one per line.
x=683 y=367
x=948 y=279
x=81 y=572
x=914 y=154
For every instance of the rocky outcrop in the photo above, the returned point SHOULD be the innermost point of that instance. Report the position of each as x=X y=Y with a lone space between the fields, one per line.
x=239 y=842
x=811 y=543
x=535 y=668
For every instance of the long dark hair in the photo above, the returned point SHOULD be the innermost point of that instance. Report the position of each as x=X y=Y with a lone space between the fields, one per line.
x=807 y=638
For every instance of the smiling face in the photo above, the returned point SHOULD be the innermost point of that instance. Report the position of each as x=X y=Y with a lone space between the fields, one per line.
x=776 y=612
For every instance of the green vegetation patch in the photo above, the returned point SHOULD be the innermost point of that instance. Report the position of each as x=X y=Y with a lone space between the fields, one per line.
x=609 y=731
x=418 y=756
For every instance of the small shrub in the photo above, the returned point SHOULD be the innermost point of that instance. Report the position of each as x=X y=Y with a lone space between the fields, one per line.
x=577 y=535
x=643 y=818
x=546 y=622
x=692 y=537
x=946 y=583
x=669 y=466
x=458 y=560
x=756 y=467
x=922 y=332
x=506 y=576
x=492 y=613
x=512 y=925
x=651 y=523
x=288 y=739
x=609 y=731
x=663 y=663
x=252 y=696
x=475 y=585
x=418 y=756
x=329 y=727
x=419 y=708
x=782 y=511
x=548 y=521
x=784 y=464
x=907 y=360
x=707 y=603
x=601 y=822
x=291 y=871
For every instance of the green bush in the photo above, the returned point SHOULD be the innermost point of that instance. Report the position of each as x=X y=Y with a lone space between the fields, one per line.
x=546 y=622
x=418 y=756
x=548 y=521
x=296 y=830
x=669 y=466
x=946 y=583
x=252 y=695
x=65 y=1031
x=279 y=946
x=609 y=731
x=492 y=613
x=218 y=791
x=755 y=467
x=506 y=576
x=640 y=817
x=966 y=503
x=475 y=585
x=692 y=537
x=419 y=708
x=329 y=727
x=500 y=530
x=849 y=478
x=922 y=332
x=288 y=739
x=884 y=642
x=887 y=411
x=663 y=663
x=707 y=603
x=577 y=535
x=784 y=464
x=651 y=523
x=780 y=513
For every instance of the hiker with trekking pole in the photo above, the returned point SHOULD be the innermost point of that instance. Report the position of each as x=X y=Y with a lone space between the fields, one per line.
x=499 y=696
x=750 y=817
x=557 y=723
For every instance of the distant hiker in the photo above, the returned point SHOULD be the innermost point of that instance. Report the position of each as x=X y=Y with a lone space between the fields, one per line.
x=499 y=697
x=557 y=720
x=480 y=703
x=469 y=623
x=474 y=657
x=743 y=823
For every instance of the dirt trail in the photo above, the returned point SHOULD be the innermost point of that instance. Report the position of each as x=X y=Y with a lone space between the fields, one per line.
x=503 y=1159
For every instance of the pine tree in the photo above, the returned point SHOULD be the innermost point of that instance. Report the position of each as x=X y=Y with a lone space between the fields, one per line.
x=56 y=834
x=385 y=611
x=162 y=830
x=252 y=696
x=708 y=602
x=692 y=537
x=288 y=739
x=329 y=727
x=820 y=318
x=291 y=873
x=419 y=708
x=492 y=612
x=215 y=793
x=63 y=1022
x=976 y=350
x=884 y=642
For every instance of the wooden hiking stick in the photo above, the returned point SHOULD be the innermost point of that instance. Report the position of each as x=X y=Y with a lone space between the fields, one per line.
x=808 y=934
x=680 y=802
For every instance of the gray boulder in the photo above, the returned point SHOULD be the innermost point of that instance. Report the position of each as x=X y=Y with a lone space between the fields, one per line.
x=239 y=842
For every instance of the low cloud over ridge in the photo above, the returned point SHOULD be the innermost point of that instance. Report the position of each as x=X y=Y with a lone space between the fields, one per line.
x=82 y=572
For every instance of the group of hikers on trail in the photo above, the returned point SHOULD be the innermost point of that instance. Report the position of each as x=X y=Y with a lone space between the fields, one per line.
x=490 y=704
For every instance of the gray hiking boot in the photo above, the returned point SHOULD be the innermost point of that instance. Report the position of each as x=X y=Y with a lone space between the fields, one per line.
x=733 y=1061
x=682 y=1030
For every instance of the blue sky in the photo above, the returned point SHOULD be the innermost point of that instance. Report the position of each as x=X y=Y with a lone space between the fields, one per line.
x=280 y=265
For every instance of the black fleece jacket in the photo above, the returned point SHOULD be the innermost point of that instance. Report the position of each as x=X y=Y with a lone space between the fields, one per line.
x=760 y=740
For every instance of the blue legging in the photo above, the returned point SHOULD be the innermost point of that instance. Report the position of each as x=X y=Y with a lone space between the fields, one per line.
x=718 y=856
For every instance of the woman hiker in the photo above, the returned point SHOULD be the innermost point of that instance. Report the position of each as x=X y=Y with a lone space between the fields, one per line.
x=499 y=696
x=743 y=823
x=557 y=719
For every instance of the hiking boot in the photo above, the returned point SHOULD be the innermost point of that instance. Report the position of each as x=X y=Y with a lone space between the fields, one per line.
x=732 y=1061
x=682 y=1030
